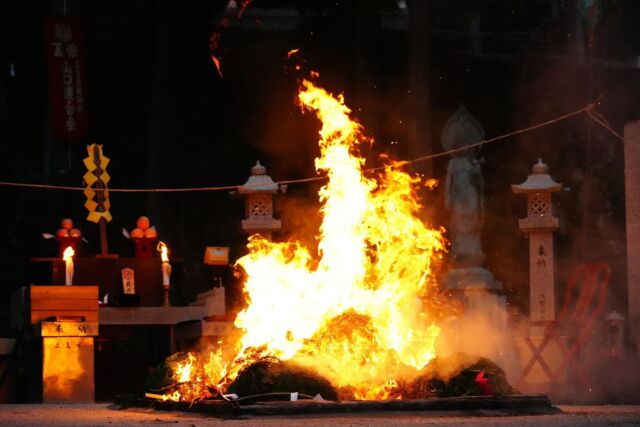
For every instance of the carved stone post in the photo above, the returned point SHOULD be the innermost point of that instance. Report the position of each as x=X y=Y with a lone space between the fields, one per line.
x=539 y=224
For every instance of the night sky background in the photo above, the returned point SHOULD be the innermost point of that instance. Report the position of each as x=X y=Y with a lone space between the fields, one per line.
x=166 y=118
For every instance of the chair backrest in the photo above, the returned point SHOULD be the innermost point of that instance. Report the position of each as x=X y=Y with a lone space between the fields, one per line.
x=586 y=294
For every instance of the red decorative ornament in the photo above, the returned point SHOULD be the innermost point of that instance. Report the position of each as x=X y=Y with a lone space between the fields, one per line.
x=483 y=383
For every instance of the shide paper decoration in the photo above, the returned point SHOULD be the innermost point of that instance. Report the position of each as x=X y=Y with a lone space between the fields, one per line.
x=96 y=180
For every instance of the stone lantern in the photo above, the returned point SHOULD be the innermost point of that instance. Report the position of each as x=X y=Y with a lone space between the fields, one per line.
x=615 y=334
x=258 y=192
x=540 y=224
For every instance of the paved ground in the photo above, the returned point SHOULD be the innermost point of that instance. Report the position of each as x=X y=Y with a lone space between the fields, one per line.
x=101 y=415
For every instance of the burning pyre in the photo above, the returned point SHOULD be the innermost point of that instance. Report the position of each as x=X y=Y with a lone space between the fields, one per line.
x=361 y=310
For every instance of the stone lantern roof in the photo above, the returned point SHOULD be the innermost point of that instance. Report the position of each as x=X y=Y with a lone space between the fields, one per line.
x=614 y=316
x=539 y=181
x=258 y=182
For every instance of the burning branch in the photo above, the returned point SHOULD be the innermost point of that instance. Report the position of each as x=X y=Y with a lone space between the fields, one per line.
x=233 y=11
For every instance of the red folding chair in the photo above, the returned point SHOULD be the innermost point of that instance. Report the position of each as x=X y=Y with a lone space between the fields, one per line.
x=587 y=287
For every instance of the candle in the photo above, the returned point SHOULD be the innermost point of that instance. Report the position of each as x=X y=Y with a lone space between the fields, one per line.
x=166 y=267
x=166 y=273
x=67 y=256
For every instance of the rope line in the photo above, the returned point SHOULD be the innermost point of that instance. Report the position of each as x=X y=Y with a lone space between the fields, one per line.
x=599 y=119
x=589 y=109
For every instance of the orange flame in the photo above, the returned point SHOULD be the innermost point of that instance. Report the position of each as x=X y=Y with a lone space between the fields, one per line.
x=431 y=183
x=164 y=251
x=184 y=370
x=68 y=253
x=354 y=309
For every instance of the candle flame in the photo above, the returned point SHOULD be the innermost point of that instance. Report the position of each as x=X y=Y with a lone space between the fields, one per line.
x=164 y=251
x=68 y=253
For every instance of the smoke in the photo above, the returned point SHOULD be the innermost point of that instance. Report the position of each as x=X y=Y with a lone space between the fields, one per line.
x=301 y=218
x=481 y=330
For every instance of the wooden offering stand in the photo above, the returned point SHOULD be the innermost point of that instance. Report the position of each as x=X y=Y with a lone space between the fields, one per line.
x=67 y=317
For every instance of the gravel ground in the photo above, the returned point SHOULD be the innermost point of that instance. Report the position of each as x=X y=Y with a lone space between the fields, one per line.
x=101 y=415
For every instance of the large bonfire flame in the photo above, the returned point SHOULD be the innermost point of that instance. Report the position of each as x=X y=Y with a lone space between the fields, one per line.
x=357 y=311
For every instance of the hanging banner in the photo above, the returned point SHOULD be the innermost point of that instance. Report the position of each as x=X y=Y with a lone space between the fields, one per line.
x=65 y=68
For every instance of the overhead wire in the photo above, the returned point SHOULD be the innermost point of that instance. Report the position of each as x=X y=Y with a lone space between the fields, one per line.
x=589 y=109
